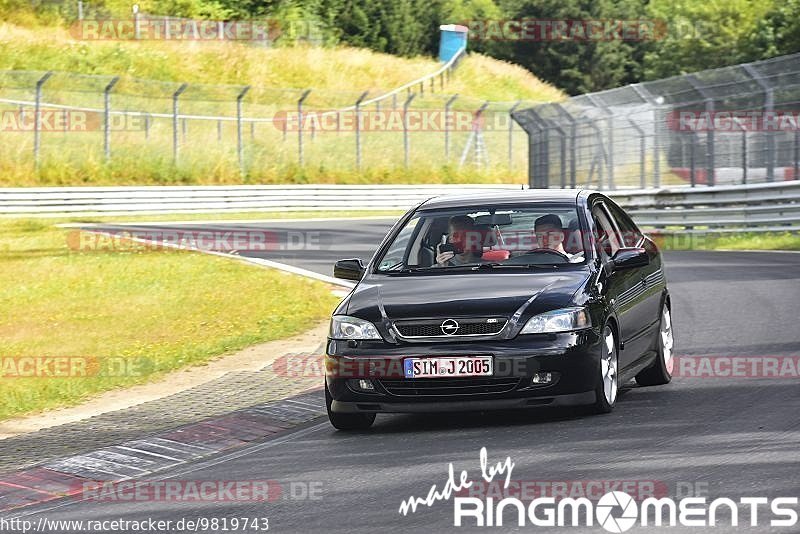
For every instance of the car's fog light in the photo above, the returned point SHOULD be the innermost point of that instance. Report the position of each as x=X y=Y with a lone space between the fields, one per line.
x=361 y=384
x=542 y=378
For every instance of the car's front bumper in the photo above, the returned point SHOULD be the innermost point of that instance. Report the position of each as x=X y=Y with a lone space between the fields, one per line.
x=573 y=358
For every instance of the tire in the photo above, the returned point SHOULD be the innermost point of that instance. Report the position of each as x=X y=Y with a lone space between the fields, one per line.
x=660 y=372
x=347 y=421
x=607 y=386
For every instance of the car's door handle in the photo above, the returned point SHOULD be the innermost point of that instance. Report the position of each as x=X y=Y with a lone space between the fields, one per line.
x=644 y=281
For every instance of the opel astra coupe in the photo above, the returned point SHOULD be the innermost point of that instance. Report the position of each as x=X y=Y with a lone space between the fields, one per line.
x=511 y=300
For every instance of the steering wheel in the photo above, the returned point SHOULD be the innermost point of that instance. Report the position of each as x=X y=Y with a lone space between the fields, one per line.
x=548 y=251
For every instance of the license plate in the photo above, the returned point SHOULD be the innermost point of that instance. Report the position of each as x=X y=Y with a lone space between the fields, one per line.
x=447 y=367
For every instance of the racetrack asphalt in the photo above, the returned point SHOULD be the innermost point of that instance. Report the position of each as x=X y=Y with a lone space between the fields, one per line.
x=721 y=437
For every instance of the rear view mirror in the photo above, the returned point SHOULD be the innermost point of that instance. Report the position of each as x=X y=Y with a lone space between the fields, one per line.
x=630 y=258
x=350 y=269
x=495 y=219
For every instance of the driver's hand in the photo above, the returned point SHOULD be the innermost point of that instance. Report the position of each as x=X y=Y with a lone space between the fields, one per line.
x=442 y=257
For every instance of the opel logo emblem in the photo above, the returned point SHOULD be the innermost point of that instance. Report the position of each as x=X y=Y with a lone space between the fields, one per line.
x=449 y=327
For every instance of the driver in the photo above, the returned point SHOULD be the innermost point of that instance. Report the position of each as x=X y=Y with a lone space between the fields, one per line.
x=466 y=249
x=550 y=235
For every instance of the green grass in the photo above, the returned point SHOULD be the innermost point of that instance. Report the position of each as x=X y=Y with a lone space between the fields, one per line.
x=738 y=241
x=160 y=310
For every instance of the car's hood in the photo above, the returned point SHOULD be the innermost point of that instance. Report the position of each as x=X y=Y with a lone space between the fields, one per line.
x=389 y=298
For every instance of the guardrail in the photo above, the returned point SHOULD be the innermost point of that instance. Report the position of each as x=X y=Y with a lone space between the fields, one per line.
x=757 y=207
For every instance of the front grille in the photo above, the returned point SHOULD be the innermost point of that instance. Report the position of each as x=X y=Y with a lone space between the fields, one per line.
x=484 y=326
x=450 y=386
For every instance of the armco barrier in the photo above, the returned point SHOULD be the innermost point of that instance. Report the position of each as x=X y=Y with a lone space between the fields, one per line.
x=758 y=207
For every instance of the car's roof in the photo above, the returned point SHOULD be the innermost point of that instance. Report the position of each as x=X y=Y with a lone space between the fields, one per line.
x=503 y=197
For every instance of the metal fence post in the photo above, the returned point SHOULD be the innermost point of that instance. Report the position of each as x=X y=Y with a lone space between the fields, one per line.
x=523 y=119
x=37 y=119
x=562 y=151
x=358 y=128
x=594 y=163
x=610 y=135
x=796 y=163
x=738 y=123
x=175 y=142
x=107 y=118
x=447 y=117
x=642 y=150
x=573 y=134
x=136 y=26
x=239 y=140
x=769 y=107
x=692 y=162
x=219 y=131
x=146 y=126
x=511 y=135
x=542 y=178
x=405 y=129
x=300 y=125
x=710 y=141
x=655 y=103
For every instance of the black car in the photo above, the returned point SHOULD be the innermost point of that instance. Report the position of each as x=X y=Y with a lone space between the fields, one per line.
x=511 y=300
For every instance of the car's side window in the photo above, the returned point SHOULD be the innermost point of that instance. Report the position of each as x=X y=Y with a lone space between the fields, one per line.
x=607 y=238
x=394 y=256
x=630 y=233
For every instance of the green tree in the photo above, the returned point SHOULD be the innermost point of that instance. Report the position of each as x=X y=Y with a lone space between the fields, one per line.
x=578 y=65
x=703 y=34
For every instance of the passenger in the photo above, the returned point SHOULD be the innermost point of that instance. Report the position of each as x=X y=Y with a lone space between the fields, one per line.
x=465 y=240
x=550 y=235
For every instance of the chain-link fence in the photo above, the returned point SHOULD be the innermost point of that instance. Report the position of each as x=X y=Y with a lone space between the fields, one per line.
x=74 y=121
x=723 y=126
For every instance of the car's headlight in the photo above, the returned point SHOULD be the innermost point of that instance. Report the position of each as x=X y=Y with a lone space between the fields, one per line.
x=563 y=320
x=344 y=327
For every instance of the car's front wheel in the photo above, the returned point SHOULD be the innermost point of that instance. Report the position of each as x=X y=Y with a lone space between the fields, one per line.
x=661 y=371
x=347 y=421
x=607 y=386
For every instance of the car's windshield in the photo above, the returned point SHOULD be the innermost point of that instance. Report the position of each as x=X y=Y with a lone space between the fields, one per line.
x=542 y=234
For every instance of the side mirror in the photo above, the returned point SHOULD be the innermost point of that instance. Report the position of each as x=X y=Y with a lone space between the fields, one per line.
x=630 y=258
x=350 y=269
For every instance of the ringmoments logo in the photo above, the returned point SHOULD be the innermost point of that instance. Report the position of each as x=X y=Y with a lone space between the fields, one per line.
x=615 y=511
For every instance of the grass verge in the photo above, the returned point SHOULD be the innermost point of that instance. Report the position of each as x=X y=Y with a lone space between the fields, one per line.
x=122 y=318
x=739 y=241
